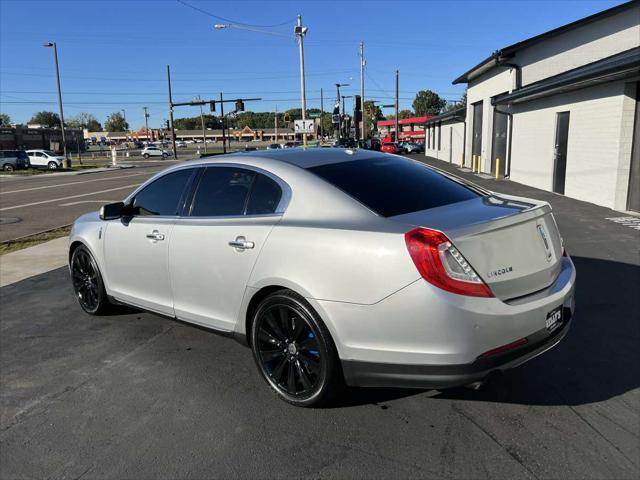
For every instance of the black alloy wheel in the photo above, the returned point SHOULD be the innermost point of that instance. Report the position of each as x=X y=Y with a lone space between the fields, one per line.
x=87 y=282
x=294 y=351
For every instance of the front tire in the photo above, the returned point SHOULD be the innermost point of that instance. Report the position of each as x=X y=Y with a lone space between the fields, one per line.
x=87 y=282
x=294 y=351
x=164 y=156
x=52 y=165
x=8 y=167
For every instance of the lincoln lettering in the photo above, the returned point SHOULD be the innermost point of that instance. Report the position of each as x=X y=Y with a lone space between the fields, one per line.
x=500 y=271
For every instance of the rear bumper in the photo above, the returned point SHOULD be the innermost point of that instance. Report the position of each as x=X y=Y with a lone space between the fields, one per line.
x=370 y=374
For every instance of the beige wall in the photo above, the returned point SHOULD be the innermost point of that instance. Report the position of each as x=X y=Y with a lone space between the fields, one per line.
x=587 y=44
x=452 y=144
x=598 y=152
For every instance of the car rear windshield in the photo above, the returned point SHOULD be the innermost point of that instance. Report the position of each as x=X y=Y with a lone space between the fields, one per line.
x=394 y=186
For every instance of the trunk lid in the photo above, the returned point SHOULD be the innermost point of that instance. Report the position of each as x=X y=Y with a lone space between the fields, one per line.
x=512 y=243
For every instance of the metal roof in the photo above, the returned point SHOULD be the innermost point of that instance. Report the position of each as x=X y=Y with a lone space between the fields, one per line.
x=459 y=114
x=507 y=52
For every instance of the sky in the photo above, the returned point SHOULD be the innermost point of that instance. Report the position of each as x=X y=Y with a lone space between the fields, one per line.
x=113 y=54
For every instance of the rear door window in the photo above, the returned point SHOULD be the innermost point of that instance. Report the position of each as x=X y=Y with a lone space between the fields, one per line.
x=265 y=196
x=394 y=186
x=222 y=191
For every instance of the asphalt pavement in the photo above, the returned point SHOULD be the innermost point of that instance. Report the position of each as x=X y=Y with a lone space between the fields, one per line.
x=136 y=395
x=31 y=204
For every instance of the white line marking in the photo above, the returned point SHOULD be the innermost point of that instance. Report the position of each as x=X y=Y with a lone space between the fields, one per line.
x=68 y=198
x=73 y=183
x=86 y=201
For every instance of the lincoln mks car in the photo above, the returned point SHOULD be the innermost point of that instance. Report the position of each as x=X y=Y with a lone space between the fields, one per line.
x=336 y=267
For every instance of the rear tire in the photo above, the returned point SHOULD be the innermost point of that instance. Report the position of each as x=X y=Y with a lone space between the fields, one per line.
x=52 y=165
x=146 y=156
x=294 y=351
x=8 y=167
x=87 y=282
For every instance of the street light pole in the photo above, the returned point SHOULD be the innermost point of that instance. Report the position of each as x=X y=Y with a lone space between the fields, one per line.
x=146 y=123
x=396 y=104
x=67 y=160
x=321 y=113
x=300 y=32
x=362 y=109
x=224 y=140
x=173 y=132
x=276 y=124
x=204 y=135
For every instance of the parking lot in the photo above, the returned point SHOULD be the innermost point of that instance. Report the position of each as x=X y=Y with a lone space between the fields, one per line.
x=136 y=395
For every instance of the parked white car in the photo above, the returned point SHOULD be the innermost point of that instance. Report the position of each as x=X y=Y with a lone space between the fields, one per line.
x=154 y=152
x=45 y=158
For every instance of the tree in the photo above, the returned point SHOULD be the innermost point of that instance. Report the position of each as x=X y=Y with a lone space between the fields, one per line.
x=428 y=102
x=116 y=123
x=462 y=103
x=47 y=119
x=374 y=114
x=85 y=120
x=4 y=119
x=405 y=114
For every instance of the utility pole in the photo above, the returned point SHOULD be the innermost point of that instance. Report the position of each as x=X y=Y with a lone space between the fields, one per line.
x=321 y=114
x=173 y=132
x=363 y=111
x=67 y=160
x=396 y=104
x=224 y=139
x=146 y=123
x=204 y=135
x=300 y=32
x=275 y=121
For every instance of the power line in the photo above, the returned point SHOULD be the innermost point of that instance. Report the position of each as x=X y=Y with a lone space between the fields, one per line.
x=233 y=21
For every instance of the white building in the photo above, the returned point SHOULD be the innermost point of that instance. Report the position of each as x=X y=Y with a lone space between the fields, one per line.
x=560 y=110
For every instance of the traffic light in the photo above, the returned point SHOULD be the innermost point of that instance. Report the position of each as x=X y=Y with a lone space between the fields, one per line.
x=239 y=106
x=358 y=103
x=167 y=124
x=212 y=106
x=287 y=118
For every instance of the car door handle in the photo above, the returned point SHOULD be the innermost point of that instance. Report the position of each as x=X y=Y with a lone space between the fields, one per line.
x=241 y=243
x=155 y=235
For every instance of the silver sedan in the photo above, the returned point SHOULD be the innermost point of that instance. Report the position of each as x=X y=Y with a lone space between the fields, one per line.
x=336 y=267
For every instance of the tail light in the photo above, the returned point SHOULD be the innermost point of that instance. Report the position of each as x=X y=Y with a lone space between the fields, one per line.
x=442 y=265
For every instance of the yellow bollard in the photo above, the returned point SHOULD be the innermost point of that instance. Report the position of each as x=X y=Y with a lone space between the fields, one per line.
x=473 y=163
x=497 y=168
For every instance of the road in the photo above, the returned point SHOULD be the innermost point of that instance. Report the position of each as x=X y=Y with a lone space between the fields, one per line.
x=135 y=395
x=46 y=201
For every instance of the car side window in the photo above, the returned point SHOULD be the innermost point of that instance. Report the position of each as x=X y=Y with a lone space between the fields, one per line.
x=222 y=191
x=162 y=196
x=265 y=196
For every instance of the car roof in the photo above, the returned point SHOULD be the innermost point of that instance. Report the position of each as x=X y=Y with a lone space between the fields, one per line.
x=306 y=157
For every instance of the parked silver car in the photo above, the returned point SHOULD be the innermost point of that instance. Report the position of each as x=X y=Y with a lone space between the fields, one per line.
x=335 y=266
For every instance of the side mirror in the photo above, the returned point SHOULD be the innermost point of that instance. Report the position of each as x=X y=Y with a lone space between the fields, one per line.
x=112 y=211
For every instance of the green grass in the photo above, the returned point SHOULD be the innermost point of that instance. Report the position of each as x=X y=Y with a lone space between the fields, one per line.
x=31 y=240
x=43 y=171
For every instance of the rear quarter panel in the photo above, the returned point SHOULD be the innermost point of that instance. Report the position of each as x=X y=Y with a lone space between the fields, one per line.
x=335 y=262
